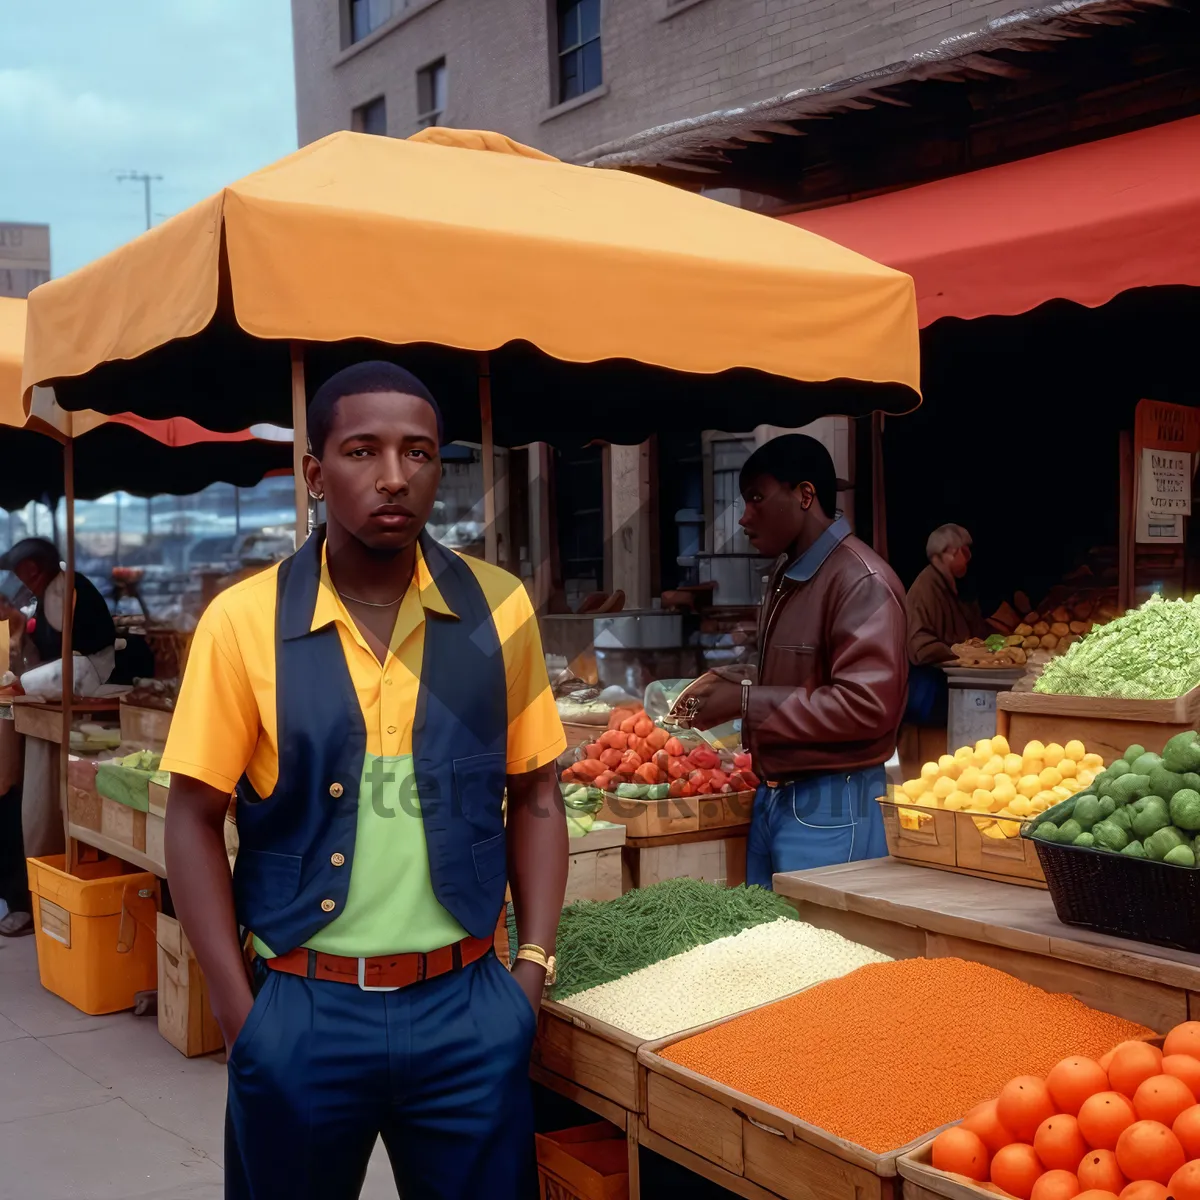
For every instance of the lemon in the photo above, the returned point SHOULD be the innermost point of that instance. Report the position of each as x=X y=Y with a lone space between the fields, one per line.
x=1072 y=785
x=957 y=801
x=1054 y=753
x=1020 y=807
x=1029 y=785
x=1050 y=777
x=1075 y=751
x=1034 y=750
x=984 y=747
x=912 y=788
x=994 y=765
x=1062 y=792
x=930 y=771
x=1012 y=765
x=1085 y=777
x=943 y=787
x=1093 y=762
x=963 y=755
x=1068 y=768
x=986 y=782
x=982 y=801
x=968 y=781
x=1043 y=800
x=1032 y=766
x=978 y=758
x=1000 y=745
x=949 y=766
x=928 y=800
x=1006 y=795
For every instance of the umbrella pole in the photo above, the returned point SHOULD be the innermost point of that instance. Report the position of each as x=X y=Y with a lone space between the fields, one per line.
x=68 y=657
x=299 y=441
x=490 y=548
x=878 y=496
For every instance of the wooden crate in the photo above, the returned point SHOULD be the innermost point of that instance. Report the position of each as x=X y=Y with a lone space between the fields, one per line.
x=715 y=856
x=923 y=1180
x=680 y=814
x=156 y=827
x=122 y=825
x=1105 y=725
x=146 y=728
x=752 y=1140
x=590 y=1162
x=185 y=1017
x=579 y=1052
x=83 y=807
x=158 y=798
x=952 y=841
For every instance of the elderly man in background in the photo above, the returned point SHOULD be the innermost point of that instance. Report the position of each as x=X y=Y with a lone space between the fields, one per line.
x=938 y=615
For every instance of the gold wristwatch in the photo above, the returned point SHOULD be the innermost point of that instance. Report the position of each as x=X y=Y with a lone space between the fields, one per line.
x=536 y=954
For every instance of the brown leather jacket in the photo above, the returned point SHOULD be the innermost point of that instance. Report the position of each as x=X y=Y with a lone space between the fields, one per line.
x=833 y=668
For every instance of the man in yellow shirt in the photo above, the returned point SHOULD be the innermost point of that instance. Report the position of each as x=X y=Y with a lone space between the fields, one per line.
x=371 y=700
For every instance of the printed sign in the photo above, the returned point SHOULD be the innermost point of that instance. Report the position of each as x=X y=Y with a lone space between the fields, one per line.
x=1167 y=438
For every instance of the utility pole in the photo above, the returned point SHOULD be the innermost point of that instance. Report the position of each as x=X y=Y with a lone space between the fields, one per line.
x=146 y=181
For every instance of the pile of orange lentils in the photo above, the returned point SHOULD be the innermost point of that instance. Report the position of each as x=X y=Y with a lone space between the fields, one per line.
x=895 y=1050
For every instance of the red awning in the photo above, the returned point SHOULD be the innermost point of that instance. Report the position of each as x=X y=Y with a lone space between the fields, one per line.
x=1079 y=224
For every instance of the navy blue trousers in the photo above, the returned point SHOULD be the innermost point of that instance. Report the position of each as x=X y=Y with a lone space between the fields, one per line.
x=816 y=822
x=440 y=1070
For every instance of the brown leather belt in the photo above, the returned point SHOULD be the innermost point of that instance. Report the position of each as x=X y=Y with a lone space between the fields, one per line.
x=385 y=973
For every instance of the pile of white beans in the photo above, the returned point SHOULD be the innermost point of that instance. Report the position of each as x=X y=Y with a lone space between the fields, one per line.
x=730 y=975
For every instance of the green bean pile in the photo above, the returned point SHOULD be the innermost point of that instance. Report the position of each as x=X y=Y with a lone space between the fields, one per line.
x=599 y=941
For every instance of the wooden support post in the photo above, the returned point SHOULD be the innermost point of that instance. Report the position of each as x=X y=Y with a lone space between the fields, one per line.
x=299 y=442
x=541 y=552
x=879 y=538
x=490 y=550
x=631 y=543
x=1127 y=521
x=68 y=653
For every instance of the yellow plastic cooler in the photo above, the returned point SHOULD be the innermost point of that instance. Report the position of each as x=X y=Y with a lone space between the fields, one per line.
x=95 y=931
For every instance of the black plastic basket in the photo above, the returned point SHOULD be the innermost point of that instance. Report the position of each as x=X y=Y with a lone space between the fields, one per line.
x=1134 y=898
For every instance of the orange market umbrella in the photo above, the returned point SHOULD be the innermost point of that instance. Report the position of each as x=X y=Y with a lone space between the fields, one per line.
x=122 y=452
x=610 y=306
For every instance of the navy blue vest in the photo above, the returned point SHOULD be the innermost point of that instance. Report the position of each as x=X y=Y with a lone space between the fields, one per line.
x=291 y=842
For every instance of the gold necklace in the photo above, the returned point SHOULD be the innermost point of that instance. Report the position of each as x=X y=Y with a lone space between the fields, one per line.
x=371 y=603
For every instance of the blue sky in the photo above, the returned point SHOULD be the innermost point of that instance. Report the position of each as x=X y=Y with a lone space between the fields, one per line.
x=198 y=91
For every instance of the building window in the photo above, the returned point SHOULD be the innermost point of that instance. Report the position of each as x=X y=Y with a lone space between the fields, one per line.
x=367 y=15
x=579 y=68
x=431 y=93
x=371 y=117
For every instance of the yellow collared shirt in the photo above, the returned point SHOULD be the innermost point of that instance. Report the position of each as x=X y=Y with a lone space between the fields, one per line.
x=225 y=725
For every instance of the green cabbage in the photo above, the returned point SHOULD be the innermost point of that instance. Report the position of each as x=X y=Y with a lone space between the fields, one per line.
x=1151 y=653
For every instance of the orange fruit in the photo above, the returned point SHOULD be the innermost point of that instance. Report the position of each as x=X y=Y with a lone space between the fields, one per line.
x=1185 y=1067
x=1187 y=1129
x=1073 y=1080
x=1105 y=1059
x=1185 y=1183
x=1055 y=1185
x=1059 y=1144
x=1184 y=1039
x=1023 y=1104
x=1149 y=1150
x=1016 y=1169
x=1103 y=1117
x=982 y=1120
x=1144 y=1189
x=961 y=1151
x=1096 y=1194
x=1098 y=1170
x=1132 y=1064
x=1162 y=1098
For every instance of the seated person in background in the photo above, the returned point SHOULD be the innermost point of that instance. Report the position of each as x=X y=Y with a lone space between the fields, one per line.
x=938 y=616
x=35 y=562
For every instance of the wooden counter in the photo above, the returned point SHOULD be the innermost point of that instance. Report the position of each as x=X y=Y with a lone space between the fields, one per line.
x=909 y=911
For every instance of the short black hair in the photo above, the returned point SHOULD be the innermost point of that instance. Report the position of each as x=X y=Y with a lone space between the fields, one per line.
x=793 y=459
x=357 y=380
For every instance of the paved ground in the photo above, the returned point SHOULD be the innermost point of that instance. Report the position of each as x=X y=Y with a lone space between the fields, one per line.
x=101 y=1108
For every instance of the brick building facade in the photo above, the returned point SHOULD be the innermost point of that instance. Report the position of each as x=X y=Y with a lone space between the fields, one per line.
x=572 y=75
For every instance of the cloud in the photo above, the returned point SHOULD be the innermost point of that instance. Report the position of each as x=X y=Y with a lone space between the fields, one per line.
x=41 y=106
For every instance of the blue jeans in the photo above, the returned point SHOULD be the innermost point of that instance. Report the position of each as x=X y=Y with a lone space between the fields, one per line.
x=440 y=1069
x=816 y=822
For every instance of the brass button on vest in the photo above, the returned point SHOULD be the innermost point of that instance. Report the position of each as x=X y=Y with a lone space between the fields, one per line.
x=338 y=860
x=391 y=729
x=335 y=790
x=328 y=905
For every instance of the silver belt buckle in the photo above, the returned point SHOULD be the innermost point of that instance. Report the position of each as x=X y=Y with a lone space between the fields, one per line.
x=362 y=979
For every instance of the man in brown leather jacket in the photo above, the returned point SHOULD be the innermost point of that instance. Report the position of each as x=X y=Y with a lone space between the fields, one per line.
x=821 y=715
